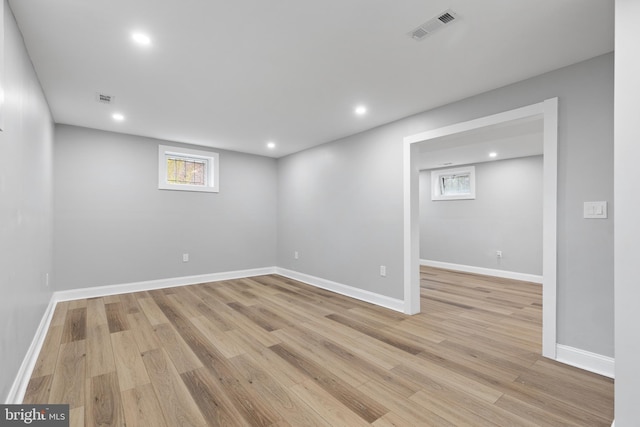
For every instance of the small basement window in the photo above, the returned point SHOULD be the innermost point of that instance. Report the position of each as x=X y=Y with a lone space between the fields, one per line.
x=186 y=169
x=453 y=184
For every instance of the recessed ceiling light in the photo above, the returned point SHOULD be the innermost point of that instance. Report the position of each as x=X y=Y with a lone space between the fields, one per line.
x=493 y=154
x=118 y=117
x=271 y=145
x=141 y=39
x=361 y=110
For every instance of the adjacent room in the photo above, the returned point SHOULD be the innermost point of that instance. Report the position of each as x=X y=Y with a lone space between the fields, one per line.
x=499 y=231
x=283 y=213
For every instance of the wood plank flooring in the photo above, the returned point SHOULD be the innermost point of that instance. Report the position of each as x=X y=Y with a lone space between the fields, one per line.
x=270 y=351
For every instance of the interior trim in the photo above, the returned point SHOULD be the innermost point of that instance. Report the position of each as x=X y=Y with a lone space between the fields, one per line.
x=525 y=277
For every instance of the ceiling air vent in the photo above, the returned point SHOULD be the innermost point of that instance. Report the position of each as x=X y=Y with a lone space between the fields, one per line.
x=104 y=98
x=446 y=17
x=434 y=24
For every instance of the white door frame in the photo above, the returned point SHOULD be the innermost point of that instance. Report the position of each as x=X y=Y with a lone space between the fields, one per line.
x=548 y=111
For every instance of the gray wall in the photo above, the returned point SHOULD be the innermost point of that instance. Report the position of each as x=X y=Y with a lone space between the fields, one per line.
x=338 y=207
x=25 y=205
x=506 y=215
x=627 y=235
x=112 y=225
x=340 y=204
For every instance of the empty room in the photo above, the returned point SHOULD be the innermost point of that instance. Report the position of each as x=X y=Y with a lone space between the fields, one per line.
x=343 y=213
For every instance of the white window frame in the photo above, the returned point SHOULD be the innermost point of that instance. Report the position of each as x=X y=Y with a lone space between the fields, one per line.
x=436 y=190
x=212 y=176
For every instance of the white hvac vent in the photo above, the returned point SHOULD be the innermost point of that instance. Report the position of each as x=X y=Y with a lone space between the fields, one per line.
x=434 y=24
x=105 y=99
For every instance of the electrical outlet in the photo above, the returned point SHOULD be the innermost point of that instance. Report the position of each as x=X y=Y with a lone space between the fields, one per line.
x=296 y=255
x=383 y=270
x=185 y=257
x=499 y=254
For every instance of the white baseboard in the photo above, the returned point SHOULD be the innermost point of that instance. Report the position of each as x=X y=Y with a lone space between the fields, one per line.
x=102 y=291
x=484 y=271
x=19 y=386
x=593 y=362
x=339 y=288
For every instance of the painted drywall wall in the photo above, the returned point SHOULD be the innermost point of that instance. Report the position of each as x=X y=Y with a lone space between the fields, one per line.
x=340 y=204
x=25 y=205
x=627 y=233
x=112 y=225
x=506 y=215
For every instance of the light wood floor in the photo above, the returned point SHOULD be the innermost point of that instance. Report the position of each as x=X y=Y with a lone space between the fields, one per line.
x=269 y=351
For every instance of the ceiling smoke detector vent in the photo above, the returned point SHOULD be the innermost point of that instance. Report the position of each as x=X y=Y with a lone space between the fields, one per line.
x=105 y=99
x=434 y=24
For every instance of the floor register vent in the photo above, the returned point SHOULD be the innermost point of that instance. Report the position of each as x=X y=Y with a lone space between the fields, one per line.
x=434 y=24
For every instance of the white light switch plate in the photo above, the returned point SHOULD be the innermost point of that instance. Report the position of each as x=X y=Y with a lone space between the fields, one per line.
x=595 y=210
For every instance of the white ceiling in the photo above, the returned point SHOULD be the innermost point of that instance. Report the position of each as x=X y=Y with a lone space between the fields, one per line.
x=508 y=140
x=236 y=74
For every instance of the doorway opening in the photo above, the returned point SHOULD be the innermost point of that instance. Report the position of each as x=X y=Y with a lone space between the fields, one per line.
x=547 y=111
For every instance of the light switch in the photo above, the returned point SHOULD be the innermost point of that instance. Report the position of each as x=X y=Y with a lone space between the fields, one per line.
x=595 y=210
